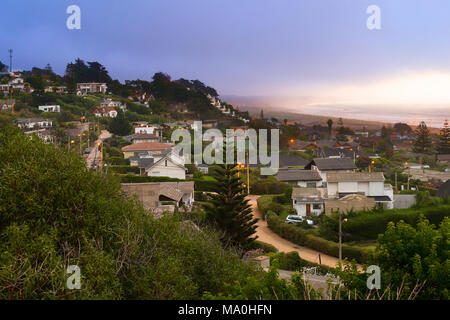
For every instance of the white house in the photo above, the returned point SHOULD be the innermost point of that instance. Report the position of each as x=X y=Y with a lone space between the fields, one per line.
x=169 y=165
x=149 y=129
x=32 y=123
x=54 y=108
x=109 y=112
x=91 y=87
x=369 y=184
x=300 y=177
x=113 y=104
x=331 y=165
x=309 y=201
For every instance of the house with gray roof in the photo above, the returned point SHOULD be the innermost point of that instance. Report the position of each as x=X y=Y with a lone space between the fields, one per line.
x=309 y=201
x=369 y=184
x=300 y=177
x=331 y=165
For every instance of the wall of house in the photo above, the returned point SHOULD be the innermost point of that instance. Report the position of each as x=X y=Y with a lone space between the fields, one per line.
x=304 y=184
x=376 y=188
x=300 y=207
x=348 y=205
x=348 y=187
x=171 y=170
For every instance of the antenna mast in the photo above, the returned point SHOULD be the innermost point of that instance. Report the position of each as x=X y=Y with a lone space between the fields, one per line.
x=10 y=59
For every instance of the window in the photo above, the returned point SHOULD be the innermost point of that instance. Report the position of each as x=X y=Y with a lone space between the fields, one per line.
x=166 y=163
x=310 y=184
x=317 y=206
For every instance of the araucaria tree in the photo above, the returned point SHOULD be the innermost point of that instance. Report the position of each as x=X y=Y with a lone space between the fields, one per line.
x=229 y=211
x=444 y=139
x=423 y=140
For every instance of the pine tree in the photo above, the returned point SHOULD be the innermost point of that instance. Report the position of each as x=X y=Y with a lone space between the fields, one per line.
x=423 y=140
x=229 y=210
x=444 y=139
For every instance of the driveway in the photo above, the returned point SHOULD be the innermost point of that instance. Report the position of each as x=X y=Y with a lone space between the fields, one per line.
x=265 y=234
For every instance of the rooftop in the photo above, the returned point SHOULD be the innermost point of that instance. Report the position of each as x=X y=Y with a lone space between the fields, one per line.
x=355 y=177
x=144 y=146
x=294 y=174
x=332 y=164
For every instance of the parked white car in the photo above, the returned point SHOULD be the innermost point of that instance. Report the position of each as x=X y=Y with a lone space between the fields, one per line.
x=293 y=219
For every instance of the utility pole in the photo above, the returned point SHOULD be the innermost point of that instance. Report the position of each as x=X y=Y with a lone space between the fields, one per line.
x=248 y=173
x=10 y=59
x=340 y=236
x=396 y=186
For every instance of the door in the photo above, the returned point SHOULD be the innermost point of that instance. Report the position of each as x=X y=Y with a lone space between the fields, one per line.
x=308 y=209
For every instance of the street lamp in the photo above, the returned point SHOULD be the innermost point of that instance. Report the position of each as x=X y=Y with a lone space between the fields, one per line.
x=340 y=235
x=409 y=172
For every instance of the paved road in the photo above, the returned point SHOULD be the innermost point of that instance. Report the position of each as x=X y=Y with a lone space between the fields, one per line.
x=265 y=234
x=94 y=156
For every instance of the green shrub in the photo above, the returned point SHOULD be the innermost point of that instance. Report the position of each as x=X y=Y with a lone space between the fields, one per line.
x=124 y=169
x=367 y=226
x=128 y=178
x=119 y=161
x=267 y=247
x=303 y=238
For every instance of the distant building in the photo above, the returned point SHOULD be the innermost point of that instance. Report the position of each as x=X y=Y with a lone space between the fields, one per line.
x=7 y=105
x=113 y=104
x=54 y=108
x=144 y=137
x=56 y=89
x=109 y=112
x=148 y=129
x=149 y=147
x=34 y=123
x=91 y=87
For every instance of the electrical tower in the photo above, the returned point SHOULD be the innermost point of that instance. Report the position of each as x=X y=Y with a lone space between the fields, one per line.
x=10 y=59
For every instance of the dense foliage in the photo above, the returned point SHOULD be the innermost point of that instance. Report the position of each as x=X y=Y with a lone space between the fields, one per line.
x=54 y=213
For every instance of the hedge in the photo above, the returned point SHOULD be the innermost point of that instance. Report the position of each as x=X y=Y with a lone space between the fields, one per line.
x=368 y=226
x=303 y=238
x=125 y=169
x=128 y=178
x=205 y=185
x=117 y=161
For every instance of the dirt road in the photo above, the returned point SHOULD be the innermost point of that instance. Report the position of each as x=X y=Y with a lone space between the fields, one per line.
x=266 y=235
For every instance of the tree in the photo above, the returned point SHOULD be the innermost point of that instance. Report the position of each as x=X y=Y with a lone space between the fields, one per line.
x=330 y=126
x=228 y=209
x=262 y=114
x=37 y=83
x=423 y=140
x=3 y=67
x=386 y=132
x=413 y=256
x=444 y=139
x=402 y=128
x=120 y=125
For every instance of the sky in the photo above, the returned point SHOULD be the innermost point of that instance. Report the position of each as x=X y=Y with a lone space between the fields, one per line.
x=290 y=48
